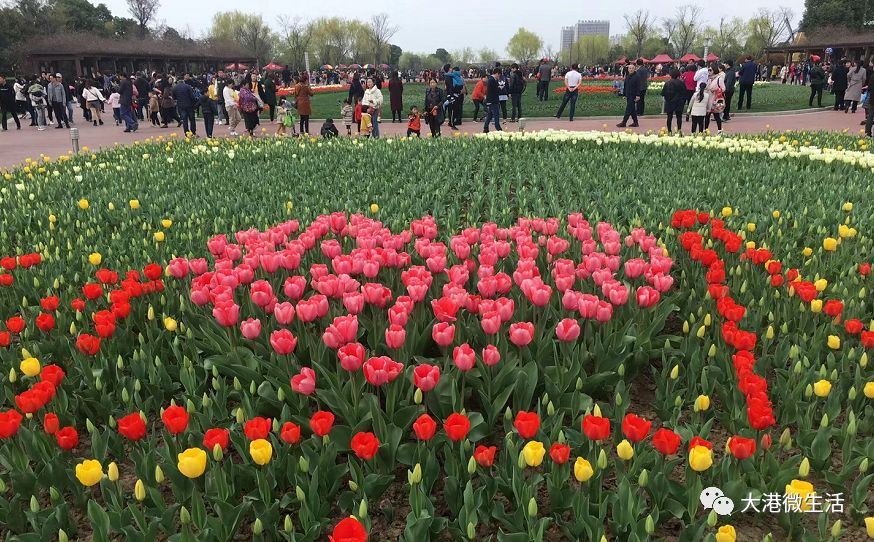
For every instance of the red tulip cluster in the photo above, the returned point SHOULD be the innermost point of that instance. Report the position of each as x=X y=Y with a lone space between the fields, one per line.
x=8 y=264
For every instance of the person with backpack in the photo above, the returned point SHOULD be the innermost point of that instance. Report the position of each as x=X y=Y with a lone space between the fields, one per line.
x=479 y=96
x=250 y=107
x=39 y=103
x=517 y=87
x=329 y=129
x=716 y=87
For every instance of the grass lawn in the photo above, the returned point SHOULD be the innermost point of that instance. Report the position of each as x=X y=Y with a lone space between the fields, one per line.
x=775 y=97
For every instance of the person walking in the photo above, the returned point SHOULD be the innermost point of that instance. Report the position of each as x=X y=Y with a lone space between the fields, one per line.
x=250 y=107
x=493 y=96
x=142 y=86
x=39 y=103
x=643 y=80
x=94 y=99
x=434 y=98
x=729 y=81
x=7 y=103
x=544 y=76
x=268 y=87
x=479 y=96
x=572 y=80
x=356 y=89
x=231 y=108
x=856 y=79
x=207 y=111
x=58 y=100
x=699 y=108
x=869 y=115
x=185 y=104
x=303 y=92
x=689 y=81
x=631 y=89
x=674 y=93
x=517 y=88
x=840 y=73
x=396 y=96
x=373 y=100
x=716 y=88
x=746 y=77
x=23 y=105
x=125 y=100
x=817 y=81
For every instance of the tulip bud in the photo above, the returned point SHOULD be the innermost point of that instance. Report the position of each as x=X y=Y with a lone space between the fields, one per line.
x=804 y=468
x=521 y=461
x=362 y=509
x=353 y=485
x=139 y=490
x=768 y=538
x=786 y=439
x=712 y=352
x=55 y=495
x=597 y=410
x=643 y=479
x=686 y=327
x=416 y=475
x=618 y=399
x=836 y=529
x=112 y=472
x=184 y=516
x=241 y=417
x=602 y=460
x=712 y=518
x=159 y=474
x=675 y=372
x=471 y=531
x=89 y=426
x=532 y=508
x=417 y=396
x=863 y=361
x=2 y=486
x=851 y=395
x=34 y=504
x=550 y=409
x=621 y=369
x=252 y=388
x=808 y=391
x=863 y=466
x=287 y=525
x=824 y=421
x=258 y=528
x=508 y=414
x=678 y=401
x=851 y=425
x=298 y=492
x=62 y=536
x=237 y=385
x=13 y=376
x=304 y=464
x=217 y=452
x=471 y=465
x=649 y=525
x=561 y=437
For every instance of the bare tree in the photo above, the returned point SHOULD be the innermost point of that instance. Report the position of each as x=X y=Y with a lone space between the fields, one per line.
x=143 y=12
x=381 y=31
x=767 y=29
x=296 y=39
x=683 y=28
x=640 y=26
x=549 y=52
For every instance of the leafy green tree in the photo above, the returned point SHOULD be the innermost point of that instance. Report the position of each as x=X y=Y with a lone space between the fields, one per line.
x=588 y=50
x=443 y=55
x=394 y=55
x=249 y=32
x=851 y=15
x=524 y=46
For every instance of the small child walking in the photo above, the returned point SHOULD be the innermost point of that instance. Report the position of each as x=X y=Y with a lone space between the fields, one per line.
x=347 y=112
x=286 y=119
x=153 y=109
x=113 y=101
x=366 y=126
x=699 y=108
x=414 y=126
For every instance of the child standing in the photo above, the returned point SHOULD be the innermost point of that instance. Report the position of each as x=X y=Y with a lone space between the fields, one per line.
x=286 y=119
x=414 y=126
x=366 y=126
x=357 y=115
x=153 y=109
x=699 y=108
x=347 y=112
x=113 y=102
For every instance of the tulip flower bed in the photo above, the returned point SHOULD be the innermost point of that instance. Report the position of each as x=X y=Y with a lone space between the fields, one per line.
x=233 y=340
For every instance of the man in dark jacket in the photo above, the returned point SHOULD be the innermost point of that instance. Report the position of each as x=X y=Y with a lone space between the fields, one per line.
x=517 y=87
x=631 y=89
x=839 y=82
x=730 y=80
x=493 y=108
x=7 y=103
x=185 y=103
x=142 y=94
x=643 y=80
x=817 y=81
x=746 y=77
x=125 y=101
x=544 y=75
x=869 y=118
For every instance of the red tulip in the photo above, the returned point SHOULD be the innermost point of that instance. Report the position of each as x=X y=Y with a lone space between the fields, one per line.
x=290 y=433
x=107 y=277
x=257 y=428
x=6 y=279
x=381 y=370
x=50 y=303
x=88 y=344
x=443 y=333
x=424 y=427
x=10 y=420
x=742 y=448
x=698 y=441
x=426 y=377
x=867 y=338
x=175 y=418
x=132 y=426
x=5 y=339
x=666 y=441
x=485 y=455
x=596 y=427
x=348 y=530
x=351 y=356
x=322 y=422
x=444 y=309
x=92 y=291
x=45 y=322
x=283 y=342
x=53 y=374
x=865 y=269
x=50 y=423
x=527 y=424
x=560 y=453
x=214 y=436
x=521 y=333
x=456 y=426
x=8 y=263
x=833 y=308
x=15 y=325
x=365 y=445
x=67 y=438
x=853 y=326
x=464 y=357
x=635 y=428
x=567 y=330
x=491 y=355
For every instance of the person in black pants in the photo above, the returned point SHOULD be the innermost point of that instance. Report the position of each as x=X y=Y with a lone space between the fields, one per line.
x=730 y=80
x=143 y=89
x=631 y=89
x=746 y=78
x=7 y=103
x=207 y=110
x=643 y=80
x=817 y=81
x=674 y=93
x=517 y=87
x=839 y=83
x=58 y=100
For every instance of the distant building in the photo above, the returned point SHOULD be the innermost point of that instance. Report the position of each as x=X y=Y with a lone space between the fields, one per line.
x=571 y=34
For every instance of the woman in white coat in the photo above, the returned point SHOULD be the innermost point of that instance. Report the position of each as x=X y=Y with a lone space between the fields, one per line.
x=373 y=100
x=855 y=81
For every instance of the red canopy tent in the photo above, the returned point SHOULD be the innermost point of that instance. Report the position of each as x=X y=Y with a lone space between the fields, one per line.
x=623 y=60
x=712 y=58
x=661 y=59
x=690 y=57
x=273 y=67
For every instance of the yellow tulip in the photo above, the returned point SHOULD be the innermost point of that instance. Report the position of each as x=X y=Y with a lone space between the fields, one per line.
x=192 y=462
x=869 y=527
x=170 y=324
x=834 y=342
x=700 y=458
x=816 y=306
x=110 y=206
x=53 y=219
x=261 y=451
x=533 y=453
x=159 y=236
x=726 y=533
x=822 y=388
x=112 y=472
x=140 y=490
x=625 y=450
x=868 y=390
x=582 y=470
x=751 y=227
x=751 y=244
x=776 y=214
x=803 y=490
x=830 y=244
x=134 y=204
x=89 y=472
x=30 y=367
x=166 y=223
x=807 y=252
x=820 y=285
x=727 y=212
x=374 y=208
x=848 y=206
x=702 y=403
x=83 y=204
x=843 y=231
x=95 y=258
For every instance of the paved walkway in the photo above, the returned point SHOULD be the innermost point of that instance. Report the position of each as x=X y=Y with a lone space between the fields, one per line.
x=16 y=146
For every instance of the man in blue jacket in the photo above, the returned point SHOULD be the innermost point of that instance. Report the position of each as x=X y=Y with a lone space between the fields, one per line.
x=746 y=77
x=185 y=103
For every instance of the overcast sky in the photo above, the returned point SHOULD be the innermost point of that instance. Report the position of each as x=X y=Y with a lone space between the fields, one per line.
x=427 y=25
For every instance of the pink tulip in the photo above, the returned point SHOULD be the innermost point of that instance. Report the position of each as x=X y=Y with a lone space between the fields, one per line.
x=178 y=268
x=398 y=315
x=343 y=330
x=244 y=274
x=217 y=244
x=570 y=300
x=294 y=287
x=487 y=286
x=443 y=333
x=199 y=296
x=647 y=296
x=634 y=268
x=521 y=333
x=491 y=355
x=661 y=282
x=307 y=310
x=251 y=328
x=464 y=357
x=395 y=336
x=283 y=342
x=353 y=302
x=284 y=313
x=305 y=382
x=226 y=313
x=567 y=330
x=381 y=370
x=351 y=356
x=376 y=294
x=426 y=377
x=604 y=312
x=198 y=266
x=588 y=305
x=261 y=293
x=491 y=322
x=270 y=262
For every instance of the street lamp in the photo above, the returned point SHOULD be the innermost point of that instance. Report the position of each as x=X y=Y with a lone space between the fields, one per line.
x=707 y=42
